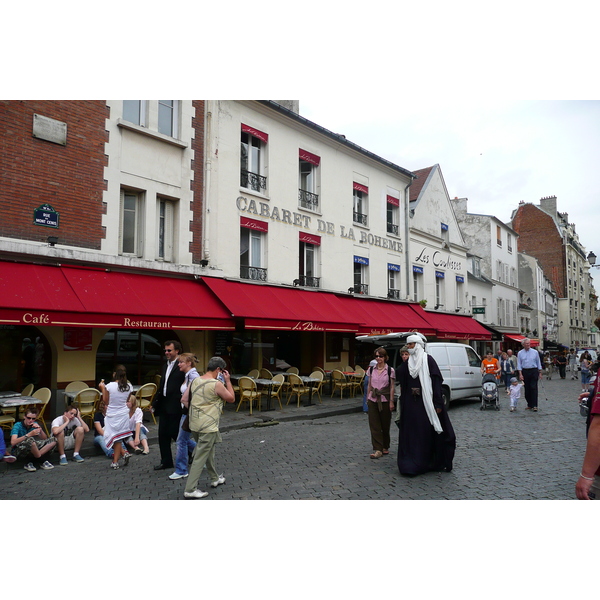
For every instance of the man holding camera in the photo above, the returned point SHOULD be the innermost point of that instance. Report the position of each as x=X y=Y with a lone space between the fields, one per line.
x=28 y=438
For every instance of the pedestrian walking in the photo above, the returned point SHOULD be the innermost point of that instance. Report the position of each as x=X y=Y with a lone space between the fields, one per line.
x=207 y=395
x=514 y=391
x=426 y=440
x=530 y=372
x=561 y=363
x=380 y=400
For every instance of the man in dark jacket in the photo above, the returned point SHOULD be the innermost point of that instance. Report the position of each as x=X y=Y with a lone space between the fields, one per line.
x=167 y=404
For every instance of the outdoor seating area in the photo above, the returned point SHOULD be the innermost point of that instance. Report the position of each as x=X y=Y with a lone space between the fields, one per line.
x=263 y=384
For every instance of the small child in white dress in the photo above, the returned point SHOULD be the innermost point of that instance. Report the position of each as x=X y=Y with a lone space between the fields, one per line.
x=514 y=391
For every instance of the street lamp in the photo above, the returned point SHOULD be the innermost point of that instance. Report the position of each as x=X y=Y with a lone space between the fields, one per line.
x=591 y=257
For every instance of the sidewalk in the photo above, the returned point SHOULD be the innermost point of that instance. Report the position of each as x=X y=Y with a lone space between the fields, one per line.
x=230 y=419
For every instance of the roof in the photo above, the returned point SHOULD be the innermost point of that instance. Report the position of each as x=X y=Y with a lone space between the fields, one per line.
x=334 y=136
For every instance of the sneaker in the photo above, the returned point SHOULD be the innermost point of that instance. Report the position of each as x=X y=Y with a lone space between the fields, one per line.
x=9 y=458
x=63 y=461
x=78 y=459
x=126 y=458
x=114 y=465
x=47 y=465
x=512 y=409
x=195 y=494
x=218 y=482
x=534 y=409
x=29 y=467
x=176 y=475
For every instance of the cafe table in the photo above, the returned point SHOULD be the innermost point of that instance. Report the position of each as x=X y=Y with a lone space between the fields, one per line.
x=268 y=383
x=17 y=401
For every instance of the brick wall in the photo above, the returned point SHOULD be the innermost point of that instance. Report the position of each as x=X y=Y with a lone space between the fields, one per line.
x=198 y=182
x=540 y=238
x=69 y=178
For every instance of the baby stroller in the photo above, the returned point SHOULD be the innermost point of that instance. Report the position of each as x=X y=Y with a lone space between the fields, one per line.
x=489 y=392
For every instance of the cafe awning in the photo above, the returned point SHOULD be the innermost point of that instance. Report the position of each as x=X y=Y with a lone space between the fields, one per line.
x=283 y=308
x=460 y=327
x=96 y=297
x=519 y=338
x=379 y=317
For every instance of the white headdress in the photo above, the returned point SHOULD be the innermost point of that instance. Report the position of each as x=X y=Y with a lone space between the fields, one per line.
x=418 y=366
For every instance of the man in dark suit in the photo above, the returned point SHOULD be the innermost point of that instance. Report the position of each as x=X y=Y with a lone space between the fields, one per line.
x=167 y=404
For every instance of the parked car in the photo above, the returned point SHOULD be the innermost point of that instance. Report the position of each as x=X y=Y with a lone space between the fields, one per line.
x=459 y=363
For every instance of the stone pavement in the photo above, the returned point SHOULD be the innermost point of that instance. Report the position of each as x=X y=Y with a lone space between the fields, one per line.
x=322 y=452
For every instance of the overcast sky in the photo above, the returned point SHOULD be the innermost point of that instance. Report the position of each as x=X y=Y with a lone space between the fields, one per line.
x=495 y=153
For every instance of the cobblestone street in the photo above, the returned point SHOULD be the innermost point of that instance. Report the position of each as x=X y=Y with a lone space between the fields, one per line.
x=499 y=455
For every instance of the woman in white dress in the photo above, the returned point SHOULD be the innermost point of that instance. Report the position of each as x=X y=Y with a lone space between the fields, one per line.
x=116 y=422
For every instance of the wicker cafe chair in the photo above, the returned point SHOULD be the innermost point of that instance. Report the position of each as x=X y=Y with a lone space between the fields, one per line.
x=293 y=370
x=339 y=382
x=297 y=387
x=87 y=402
x=27 y=390
x=254 y=374
x=248 y=393
x=265 y=374
x=74 y=386
x=43 y=395
x=358 y=379
x=6 y=422
x=317 y=388
x=278 y=388
x=145 y=396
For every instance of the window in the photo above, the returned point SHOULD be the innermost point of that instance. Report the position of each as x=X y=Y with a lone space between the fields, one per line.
x=253 y=151
x=135 y=111
x=498 y=235
x=168 y=117
x=514 y=313
x=165 y=220
x=309 y=260
x=360 y=197
x=500 y=310
x=361 y=266
x=417 y=284
x=393 y=215
x=460 y=280
x=307 y=180
x=439 y=289
x=131 y=223
x=509 y=242
x=476 y=267
x=253 y=239
x=394 y=281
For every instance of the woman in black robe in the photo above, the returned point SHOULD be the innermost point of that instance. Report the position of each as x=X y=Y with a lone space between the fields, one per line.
x=420 y=447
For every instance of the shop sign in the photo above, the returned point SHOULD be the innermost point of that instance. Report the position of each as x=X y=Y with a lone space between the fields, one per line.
x=479 y=310
x=307 y=326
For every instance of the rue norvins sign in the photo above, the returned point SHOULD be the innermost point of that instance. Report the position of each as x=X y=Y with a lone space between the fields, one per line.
x=288 y=217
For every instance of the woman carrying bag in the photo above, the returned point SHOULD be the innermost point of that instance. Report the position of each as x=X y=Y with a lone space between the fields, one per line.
x=380 y=401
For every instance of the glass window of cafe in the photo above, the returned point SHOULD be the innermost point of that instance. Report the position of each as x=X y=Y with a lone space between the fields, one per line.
x=25 y=357
x=139 y=350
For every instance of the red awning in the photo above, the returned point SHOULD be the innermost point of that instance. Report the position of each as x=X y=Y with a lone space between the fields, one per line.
x=271 y=307
x=379 y=317
x=93 y=297
x=450 y=327
x=520 y=338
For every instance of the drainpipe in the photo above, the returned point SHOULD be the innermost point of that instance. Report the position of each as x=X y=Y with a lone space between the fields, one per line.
x=407 y=236
x=207 y=170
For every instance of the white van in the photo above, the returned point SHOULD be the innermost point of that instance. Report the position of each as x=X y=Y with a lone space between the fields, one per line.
x=459 y=363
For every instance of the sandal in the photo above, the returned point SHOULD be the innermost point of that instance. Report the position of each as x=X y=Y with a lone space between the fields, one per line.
x=376 y=454
x=386 y=452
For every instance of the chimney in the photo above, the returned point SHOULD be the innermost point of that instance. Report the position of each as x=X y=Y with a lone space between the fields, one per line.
x=548 y=205
x=460 y=206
